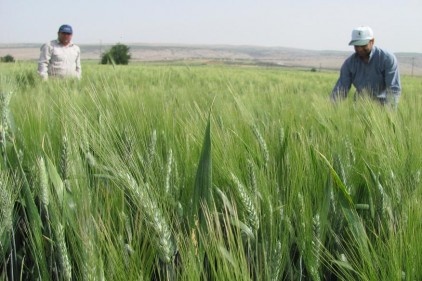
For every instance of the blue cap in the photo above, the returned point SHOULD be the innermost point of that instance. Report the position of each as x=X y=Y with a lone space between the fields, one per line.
x=65 y=28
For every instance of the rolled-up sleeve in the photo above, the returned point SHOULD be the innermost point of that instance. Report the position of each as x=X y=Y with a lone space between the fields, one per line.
x=344 y=83
x=44 y=60
x=392 y=77
x=78 y=65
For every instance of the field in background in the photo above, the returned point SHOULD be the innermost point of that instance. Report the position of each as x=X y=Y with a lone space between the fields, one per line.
x=182 y=171
x=409 y=63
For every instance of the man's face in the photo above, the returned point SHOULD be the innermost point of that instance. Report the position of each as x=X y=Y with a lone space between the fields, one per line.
x=364 y=51
x=65 y=38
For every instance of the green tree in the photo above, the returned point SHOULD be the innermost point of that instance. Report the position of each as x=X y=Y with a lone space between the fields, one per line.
x=118 y=54
x=8 y=58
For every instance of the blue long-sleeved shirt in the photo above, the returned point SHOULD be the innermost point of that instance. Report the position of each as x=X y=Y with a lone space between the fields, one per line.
x=379 y=77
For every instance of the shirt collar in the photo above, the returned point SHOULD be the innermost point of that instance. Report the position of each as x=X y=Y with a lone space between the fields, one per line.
x=371 y=54
x=69 y=45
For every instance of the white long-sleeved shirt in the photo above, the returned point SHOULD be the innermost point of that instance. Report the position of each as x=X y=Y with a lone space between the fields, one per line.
x=59 y=60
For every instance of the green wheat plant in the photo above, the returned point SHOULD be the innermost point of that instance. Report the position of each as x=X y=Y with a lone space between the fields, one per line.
x=190 y=171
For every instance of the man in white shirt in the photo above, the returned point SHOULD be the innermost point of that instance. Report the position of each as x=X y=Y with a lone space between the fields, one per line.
x=60 y=57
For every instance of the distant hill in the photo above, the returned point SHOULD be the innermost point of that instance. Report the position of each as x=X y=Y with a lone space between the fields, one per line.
x=271 y=56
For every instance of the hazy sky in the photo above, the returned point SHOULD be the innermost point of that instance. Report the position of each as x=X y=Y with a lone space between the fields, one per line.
x=306 y=24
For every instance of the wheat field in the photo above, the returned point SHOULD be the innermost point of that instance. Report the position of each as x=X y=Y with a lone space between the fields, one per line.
x=206 y=172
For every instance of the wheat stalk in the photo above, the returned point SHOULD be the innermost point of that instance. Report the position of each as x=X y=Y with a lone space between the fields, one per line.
x=65 y=162
x=43 y=181
x=154 y=218
x=5 y=122
x=386 y=209
x=263 y=146
x=63 y=254
x=252 y=177
x=151 y=150
x=6 y=213
x=288 y=223
x=245 y=199
x=316 y=248
x=168 y=172
x=277 y=255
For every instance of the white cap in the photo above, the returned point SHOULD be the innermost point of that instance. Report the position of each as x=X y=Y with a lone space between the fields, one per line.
x=361 y=36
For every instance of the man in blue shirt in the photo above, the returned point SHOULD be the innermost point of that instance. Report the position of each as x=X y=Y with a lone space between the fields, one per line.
x=372 y=71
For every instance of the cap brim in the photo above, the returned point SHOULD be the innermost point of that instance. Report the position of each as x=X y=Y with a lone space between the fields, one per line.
x=359 y=42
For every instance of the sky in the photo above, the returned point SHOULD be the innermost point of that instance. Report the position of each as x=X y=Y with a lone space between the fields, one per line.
x=304 y=24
